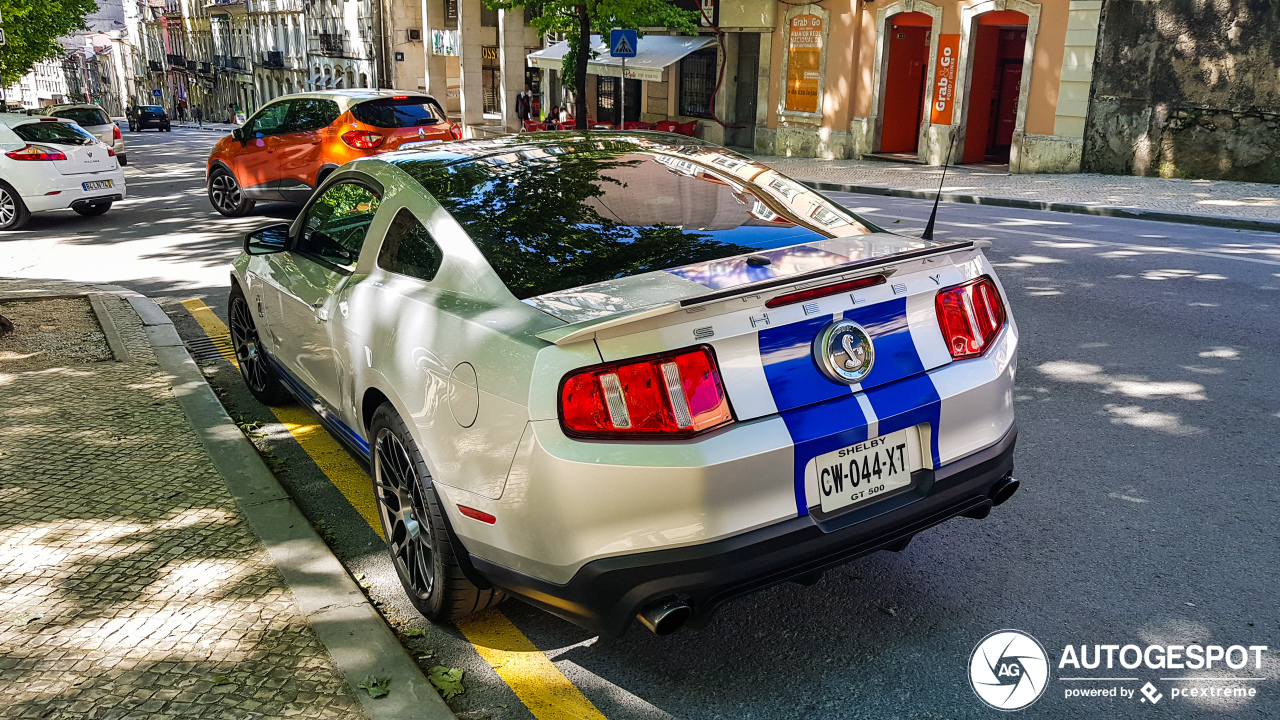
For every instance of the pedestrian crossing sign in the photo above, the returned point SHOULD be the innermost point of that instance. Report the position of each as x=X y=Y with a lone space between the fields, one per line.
x=622 y=43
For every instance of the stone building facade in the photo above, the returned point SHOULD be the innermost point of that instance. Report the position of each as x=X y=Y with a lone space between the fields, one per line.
x=1187 y=89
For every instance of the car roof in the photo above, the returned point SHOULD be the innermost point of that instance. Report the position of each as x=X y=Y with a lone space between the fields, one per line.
x=349 y=97
x=75 y=106
x=14 y=119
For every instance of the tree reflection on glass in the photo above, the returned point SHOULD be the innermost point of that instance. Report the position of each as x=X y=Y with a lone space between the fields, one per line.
x=536 y=219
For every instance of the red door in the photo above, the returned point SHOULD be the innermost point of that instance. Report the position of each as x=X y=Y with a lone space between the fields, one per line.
x=1007 y=106
x=905 y=82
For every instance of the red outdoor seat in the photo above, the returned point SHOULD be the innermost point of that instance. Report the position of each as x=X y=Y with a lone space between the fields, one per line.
x=687 y=128
x=533 y=126
x=637 y=126
x=667 y=126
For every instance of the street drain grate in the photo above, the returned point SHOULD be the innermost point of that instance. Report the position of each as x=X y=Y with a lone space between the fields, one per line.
x=211 y=348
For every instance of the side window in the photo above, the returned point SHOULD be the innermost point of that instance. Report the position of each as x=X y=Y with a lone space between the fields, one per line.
x=311 y=114
x=269 y=120
x=337 y=221
x=409 y=249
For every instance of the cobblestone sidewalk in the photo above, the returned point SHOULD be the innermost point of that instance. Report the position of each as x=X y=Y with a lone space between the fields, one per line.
x=1223 y=198
x=130 y=585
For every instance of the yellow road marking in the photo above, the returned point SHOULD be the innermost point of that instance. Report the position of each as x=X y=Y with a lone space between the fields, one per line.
x=536 y=680
x=332 y=459
x=522 y=666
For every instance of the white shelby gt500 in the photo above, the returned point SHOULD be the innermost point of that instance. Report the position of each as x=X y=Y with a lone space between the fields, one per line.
x=628 y=375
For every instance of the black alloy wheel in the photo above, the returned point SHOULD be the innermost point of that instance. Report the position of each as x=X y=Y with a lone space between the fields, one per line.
x=226 y=196
x=13 y=212
x=259 y=376
x=423 y=549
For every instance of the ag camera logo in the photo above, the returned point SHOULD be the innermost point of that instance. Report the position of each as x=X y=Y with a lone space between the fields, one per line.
x=1009 y=670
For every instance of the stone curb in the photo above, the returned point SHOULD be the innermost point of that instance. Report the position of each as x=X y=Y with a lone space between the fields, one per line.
x=352 y=631
x=1098 y=210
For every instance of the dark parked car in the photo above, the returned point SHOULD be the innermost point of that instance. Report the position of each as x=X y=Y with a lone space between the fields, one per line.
x=148 y=116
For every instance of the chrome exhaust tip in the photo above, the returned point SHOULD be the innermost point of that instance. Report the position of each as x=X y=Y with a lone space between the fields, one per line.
x=1004 y=489
x=665 y=616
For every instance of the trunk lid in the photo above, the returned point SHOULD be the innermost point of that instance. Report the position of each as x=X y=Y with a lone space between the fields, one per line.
x=83 y=159
x=723 y=303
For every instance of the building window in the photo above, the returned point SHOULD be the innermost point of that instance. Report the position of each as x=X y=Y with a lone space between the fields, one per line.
x=697 y=81
x=607 y=99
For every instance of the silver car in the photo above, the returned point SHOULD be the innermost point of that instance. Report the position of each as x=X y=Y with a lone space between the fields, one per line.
x=97 y=122
x=628 y=375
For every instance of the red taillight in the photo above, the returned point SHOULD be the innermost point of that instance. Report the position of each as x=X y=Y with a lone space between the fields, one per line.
x=672 y=395
x=475 y=514
x=115 y=131
x=456 y=131
x=362 y=139
x=815 y=293
x=111 y=153
x=36 y=152
x=970 y=315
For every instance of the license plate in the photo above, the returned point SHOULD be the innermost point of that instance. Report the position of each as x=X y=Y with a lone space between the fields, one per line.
x=865 y=471
x=97 y=185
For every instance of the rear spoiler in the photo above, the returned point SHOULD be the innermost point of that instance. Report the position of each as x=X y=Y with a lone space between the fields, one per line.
x=575 y=332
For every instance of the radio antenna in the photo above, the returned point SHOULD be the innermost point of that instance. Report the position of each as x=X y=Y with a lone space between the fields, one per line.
x=928 y=228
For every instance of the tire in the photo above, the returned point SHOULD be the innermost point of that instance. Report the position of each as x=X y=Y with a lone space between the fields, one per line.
x=225 y=195
x=93 y=210
x=13 y=212
x=255 y=368
x=124 y=160
x=168 y=129
x=421 y=545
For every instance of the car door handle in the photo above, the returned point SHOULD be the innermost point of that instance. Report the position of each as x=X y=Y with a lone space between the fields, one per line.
x=322 y=313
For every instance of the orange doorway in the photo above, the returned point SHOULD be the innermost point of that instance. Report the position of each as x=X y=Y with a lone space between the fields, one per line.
x=904 y=85
x=999 y=43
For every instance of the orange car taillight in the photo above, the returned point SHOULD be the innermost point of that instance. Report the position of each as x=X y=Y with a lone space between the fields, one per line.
x=36 y=152
x=362 y=139
x=971 y=315
x=455 y=131
x=672 y=395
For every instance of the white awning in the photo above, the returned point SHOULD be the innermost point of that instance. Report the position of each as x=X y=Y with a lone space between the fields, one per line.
x=653 y=53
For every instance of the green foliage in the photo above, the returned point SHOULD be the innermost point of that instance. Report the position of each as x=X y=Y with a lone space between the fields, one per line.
x=376 y=687
x=31 y=28
x=448 y=681
x=564 y=16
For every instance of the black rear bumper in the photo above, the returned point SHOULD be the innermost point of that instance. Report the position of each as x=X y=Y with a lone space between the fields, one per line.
x=605 y=595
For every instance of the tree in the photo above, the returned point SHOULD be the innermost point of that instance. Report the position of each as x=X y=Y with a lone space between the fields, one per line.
x=579 y=18
x=31 y=29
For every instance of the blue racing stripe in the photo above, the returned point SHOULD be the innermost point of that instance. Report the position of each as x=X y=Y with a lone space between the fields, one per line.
x=821 y=428
x=786 y=352
x=330 y=420
x=907 y=403
x=896 y=355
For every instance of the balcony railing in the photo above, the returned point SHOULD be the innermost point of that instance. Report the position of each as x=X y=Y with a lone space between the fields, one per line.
x=235 y=62
x=228 y=4
x=172 y=7
x=192 y=65
x=177 y=61
x=220 y=61
x=331 y=44
x=155 y=65
x=205 y=69
x=273 y=59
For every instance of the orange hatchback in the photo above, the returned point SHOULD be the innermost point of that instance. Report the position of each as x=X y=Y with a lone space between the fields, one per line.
x=288 y=147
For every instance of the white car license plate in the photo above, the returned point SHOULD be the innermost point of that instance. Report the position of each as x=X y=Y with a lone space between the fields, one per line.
x=867 y=470
x=97 y=185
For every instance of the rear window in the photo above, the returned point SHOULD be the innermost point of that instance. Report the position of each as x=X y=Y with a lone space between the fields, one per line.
x=153 y=109
x=54 y=133
x=84 y=116
x=399 y=112
x=558 y=217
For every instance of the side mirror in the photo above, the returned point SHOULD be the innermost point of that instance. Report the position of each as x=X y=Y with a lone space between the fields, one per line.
x=237 y=134
x=267 y=240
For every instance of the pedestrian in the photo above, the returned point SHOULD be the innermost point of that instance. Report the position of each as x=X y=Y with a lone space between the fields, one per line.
x=553 y=118
x=524 y=102
x=564 y=115
x=199 y=117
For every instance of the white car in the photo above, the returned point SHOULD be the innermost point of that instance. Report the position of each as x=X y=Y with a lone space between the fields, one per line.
x=48 y=163
x=628 y=375
x=97 y=122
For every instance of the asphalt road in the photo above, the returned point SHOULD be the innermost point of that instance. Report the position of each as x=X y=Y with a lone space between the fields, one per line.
x=1149 y=453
